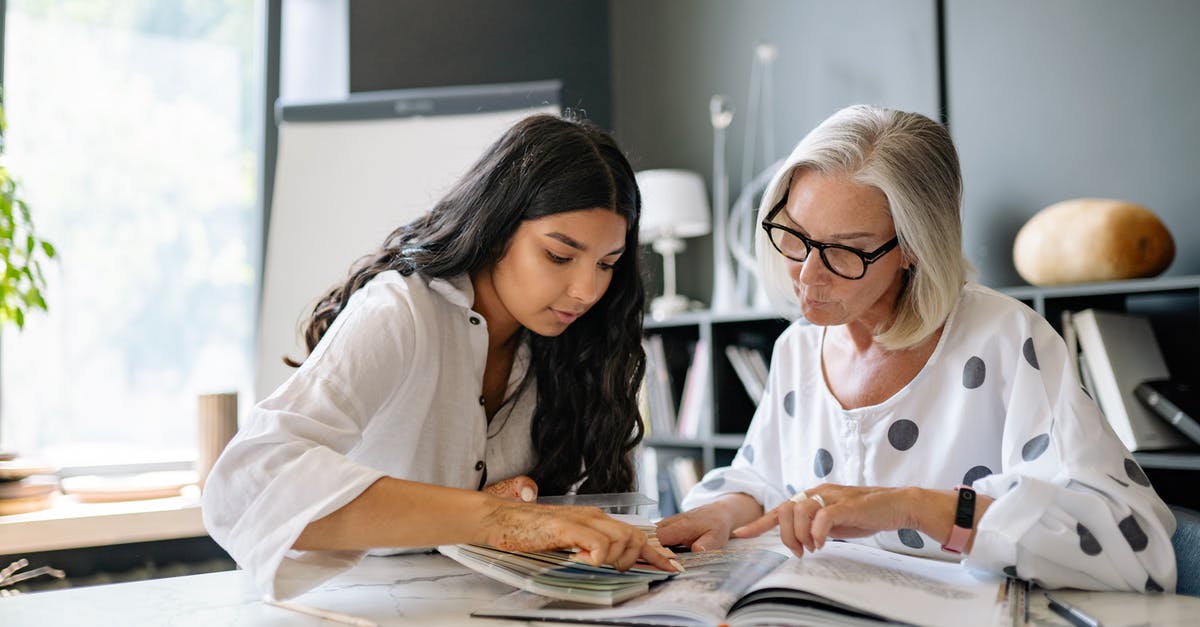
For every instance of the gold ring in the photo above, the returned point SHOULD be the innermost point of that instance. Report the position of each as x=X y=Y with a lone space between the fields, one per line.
x=798 y=497
x=820 y=501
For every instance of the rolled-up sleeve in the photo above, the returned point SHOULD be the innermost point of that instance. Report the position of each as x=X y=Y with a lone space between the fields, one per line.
x=289 y=466
x=1072 y=506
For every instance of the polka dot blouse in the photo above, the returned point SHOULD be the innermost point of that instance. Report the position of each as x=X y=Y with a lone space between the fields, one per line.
x=996 y=407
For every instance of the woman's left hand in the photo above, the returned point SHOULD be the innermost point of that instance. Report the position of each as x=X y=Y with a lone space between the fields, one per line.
x=848 y=512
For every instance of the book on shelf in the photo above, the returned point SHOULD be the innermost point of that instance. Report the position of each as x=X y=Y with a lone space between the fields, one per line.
x=1177 y=402
x=1120 y=352
x=561 y=575
x=647 y=472
x=685 y=474
x=757 y=581
x=658 y=387
x=1085 y=375
x=695 y=386
x=743 y=360
x=1072 y=341
x=667 y=495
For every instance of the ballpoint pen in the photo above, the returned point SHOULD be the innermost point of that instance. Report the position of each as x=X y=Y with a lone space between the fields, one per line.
x=1072 y=613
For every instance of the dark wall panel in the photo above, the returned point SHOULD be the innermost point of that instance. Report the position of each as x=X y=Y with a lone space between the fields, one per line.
x=427 y=43
x=671 y=56
x=1074 y=98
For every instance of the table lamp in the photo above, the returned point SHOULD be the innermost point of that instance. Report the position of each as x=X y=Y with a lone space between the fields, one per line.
x=674 y=206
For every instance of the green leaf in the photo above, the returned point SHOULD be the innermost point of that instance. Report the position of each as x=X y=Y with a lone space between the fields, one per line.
x=20 y=318
x=48 y=248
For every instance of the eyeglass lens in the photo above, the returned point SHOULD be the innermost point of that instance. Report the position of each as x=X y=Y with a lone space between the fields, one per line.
x=838 y=260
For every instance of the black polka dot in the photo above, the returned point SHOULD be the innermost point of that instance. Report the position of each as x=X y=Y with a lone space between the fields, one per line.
x=973 y=373
x=791 y=490
x=1087 y=542
x=1011 y=571
x=1034 y=448
x=1152 y=585
x=748 y=453
x=715 y=483
x=910 y=538
x=1030 y=355
x=1133 y=533
x=789 y=403
x=1135 y=473
x=975 y=474
x=822 y=462
x=903 y=434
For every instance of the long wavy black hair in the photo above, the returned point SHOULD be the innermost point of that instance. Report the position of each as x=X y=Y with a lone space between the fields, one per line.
x=586 y=422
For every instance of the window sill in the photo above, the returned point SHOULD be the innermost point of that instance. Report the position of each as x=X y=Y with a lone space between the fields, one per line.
x=70 y=524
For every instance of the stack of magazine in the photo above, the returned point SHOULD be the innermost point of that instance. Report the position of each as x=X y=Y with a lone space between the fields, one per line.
x=561 y=574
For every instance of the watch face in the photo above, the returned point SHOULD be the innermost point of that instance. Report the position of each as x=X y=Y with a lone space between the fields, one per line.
x=964 y=514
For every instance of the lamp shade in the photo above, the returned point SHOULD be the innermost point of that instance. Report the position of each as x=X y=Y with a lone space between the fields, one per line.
x=674 y=205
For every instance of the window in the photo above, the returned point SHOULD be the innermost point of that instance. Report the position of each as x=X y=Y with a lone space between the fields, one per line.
x=133 y=133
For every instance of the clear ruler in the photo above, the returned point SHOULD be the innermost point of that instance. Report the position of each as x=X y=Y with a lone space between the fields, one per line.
x=1017 y=591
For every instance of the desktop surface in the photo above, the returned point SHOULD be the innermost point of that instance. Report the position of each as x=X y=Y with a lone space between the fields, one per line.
x=426 y=589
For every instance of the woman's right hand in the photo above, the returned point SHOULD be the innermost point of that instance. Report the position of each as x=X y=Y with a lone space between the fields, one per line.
x=709 y=527
x=599 y=538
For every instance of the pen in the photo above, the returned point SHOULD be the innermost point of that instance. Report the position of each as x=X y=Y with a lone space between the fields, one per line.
x=1071 y=613
x=336 y=617
x=1025 y=584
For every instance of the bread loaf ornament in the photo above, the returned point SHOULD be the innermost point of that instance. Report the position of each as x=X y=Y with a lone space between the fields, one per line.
x=1092 y=239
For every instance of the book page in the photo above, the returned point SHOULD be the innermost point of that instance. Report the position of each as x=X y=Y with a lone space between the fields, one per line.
x=899 y=587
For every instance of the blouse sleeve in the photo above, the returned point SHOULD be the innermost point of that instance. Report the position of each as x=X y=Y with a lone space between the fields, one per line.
x=288 y=466
x=1072 y=508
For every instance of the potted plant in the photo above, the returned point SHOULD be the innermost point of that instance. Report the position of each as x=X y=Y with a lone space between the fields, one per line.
x=22 y=282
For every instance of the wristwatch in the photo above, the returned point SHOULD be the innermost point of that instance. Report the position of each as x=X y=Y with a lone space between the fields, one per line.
x=964 y=520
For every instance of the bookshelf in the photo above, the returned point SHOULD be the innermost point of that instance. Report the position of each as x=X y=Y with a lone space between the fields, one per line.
x=725 y=407
x=1171 y=303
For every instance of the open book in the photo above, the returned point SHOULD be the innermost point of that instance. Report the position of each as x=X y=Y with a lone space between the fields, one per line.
x=755 y=582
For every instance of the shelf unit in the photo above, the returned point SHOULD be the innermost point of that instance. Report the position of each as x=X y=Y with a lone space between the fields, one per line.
x=1171 y=303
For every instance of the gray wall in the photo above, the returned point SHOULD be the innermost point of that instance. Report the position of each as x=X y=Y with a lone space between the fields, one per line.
x=671 y=56
x=1046 y=100
x=430 y=43
x=1074 y=98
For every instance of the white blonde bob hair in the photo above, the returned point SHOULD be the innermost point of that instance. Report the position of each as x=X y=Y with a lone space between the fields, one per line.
x=912 y=160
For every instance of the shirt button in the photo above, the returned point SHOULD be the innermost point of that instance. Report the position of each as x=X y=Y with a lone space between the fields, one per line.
x=475 y=320
x=479 y=465
x=481 y=400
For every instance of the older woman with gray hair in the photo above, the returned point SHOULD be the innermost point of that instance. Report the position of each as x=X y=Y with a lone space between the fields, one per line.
x=912 y=408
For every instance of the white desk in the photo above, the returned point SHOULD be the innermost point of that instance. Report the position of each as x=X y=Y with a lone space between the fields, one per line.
x=426 y=590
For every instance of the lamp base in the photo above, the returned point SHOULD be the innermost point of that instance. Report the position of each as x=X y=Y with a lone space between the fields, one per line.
x=667 y=305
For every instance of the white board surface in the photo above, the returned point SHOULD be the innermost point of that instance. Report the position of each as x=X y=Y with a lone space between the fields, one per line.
x=342 y=184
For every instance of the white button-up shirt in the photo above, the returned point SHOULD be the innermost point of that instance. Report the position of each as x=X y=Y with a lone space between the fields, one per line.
x=393 y=388
x=997 y=405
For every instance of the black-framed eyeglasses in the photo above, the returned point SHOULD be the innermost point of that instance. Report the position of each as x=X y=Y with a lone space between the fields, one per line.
x=844 y=261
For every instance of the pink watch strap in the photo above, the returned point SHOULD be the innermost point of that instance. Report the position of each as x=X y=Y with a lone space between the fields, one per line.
x=964 y=520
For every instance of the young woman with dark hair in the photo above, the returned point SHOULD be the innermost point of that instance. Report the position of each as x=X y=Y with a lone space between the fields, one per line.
x=487 y=351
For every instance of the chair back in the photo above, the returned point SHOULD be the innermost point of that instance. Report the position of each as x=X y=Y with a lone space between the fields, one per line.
x=1187 y=550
